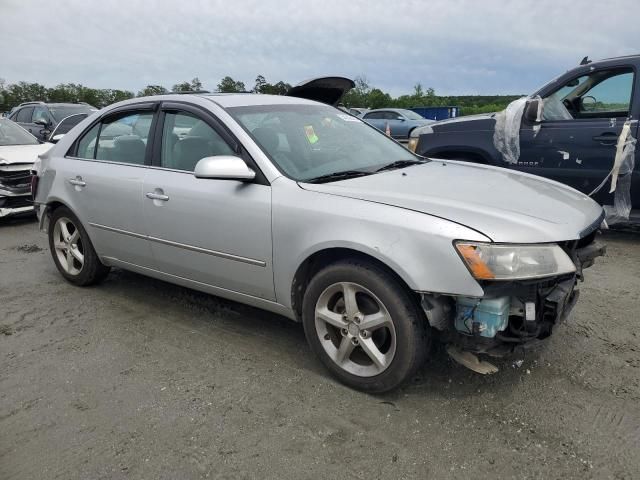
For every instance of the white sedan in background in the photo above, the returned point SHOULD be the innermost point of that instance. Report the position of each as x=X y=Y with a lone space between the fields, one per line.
x=18 y=152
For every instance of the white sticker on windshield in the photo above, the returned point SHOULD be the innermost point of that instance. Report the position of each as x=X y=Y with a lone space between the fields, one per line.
x=347 y=118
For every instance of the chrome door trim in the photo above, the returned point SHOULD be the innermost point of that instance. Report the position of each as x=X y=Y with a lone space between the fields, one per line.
x=193 y=248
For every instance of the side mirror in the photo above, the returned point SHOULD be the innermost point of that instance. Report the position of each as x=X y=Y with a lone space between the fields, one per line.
x=401 y=118
x=224 y=167
x=56 y=138
x=533 y=110
x=588 y=103
x=41 y=122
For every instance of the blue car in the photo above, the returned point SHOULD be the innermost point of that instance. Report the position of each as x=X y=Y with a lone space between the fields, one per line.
x=401 y=122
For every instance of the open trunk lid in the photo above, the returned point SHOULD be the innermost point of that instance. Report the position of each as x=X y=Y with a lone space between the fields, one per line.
x=324 y=89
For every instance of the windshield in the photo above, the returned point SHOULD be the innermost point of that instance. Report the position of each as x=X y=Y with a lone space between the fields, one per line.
x=12 y=134
x=411 y=115
x=63 y=111
x=311 y=141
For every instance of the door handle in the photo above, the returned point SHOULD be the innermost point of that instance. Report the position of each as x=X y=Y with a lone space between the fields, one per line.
x=607 y=138
x=157 y=196
x=77 y=181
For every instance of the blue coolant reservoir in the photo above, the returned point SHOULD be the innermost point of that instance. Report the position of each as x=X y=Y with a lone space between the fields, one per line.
x=482 y=316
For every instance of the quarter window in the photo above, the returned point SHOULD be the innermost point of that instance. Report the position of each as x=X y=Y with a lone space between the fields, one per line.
x=187 y=139
x=87 y=144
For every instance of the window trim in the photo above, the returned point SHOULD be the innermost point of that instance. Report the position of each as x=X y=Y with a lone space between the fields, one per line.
x=629 y=68
x=112 y=115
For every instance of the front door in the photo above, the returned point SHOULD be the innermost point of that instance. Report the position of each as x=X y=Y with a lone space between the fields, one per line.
x=217 y=232
x=576 y=140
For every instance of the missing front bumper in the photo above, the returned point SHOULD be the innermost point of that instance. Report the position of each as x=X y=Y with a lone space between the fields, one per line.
x=511 y=315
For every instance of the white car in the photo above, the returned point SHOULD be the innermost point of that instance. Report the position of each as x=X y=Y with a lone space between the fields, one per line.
x=18 y=152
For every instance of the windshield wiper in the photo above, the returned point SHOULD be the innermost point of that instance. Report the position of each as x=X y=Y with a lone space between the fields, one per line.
x=400 y=164
x=344 y=175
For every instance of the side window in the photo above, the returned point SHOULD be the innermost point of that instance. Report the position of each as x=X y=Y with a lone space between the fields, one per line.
x=24 y=115
x=612 y=95
x=124 y=139
x=600 y=94
x=186 y=139
x=374 y=115
x=42 y=114
x=87 y=144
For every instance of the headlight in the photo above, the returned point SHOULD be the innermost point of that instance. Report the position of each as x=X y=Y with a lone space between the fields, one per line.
x=488 y=261
x=413 y=143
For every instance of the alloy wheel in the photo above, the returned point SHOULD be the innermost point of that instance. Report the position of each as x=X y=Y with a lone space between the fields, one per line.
x=68 y=246
x=355 y=329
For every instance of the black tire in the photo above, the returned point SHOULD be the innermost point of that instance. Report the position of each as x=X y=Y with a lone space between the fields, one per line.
x=412 y=338
x=92 y=270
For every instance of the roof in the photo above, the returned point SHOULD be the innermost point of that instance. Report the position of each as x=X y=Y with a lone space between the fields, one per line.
x=226 y=100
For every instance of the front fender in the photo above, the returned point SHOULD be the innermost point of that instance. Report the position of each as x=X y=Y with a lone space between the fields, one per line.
x=416 y=246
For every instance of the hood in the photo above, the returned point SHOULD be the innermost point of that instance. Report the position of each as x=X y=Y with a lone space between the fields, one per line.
x=324 y=89
x=481 y=120
x=21 y=154
x=504 y=205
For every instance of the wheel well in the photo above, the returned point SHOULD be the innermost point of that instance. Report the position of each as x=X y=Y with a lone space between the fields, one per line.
x=313 y=264
x=473 y=157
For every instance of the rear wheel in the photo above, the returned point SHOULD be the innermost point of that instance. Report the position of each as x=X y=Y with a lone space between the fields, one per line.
x=72 y=250
x=364 y=326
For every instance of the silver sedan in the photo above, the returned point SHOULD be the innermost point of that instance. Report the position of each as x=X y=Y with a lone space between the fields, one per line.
x=299 y=208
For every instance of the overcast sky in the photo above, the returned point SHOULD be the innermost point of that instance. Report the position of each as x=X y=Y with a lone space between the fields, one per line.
x=454 y=46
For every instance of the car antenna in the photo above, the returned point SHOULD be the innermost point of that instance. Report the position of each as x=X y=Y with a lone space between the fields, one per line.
x=585 y=60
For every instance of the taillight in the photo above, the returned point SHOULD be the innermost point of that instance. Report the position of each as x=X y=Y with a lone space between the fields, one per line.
x=34 y=185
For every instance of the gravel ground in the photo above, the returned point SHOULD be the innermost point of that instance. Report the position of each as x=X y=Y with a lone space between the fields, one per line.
x=137 y=378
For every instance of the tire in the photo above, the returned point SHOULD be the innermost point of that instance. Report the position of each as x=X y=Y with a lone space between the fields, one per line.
x=75 y=257
x=345 y=347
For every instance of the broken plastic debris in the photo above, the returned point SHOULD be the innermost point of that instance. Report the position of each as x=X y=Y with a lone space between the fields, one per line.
x=471 y=361
x=517 y=363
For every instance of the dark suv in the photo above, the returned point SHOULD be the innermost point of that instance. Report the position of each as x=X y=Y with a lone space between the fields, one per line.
x=572 y=139
x=40 y=118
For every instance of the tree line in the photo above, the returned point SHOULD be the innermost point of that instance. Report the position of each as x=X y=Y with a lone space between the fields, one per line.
x=363 y=95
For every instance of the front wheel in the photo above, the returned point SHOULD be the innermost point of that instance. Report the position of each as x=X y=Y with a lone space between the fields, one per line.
x=72 y=250
x=364 y=326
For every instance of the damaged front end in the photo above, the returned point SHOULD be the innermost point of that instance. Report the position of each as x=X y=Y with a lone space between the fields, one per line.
x=15 y=188
x=513 y=314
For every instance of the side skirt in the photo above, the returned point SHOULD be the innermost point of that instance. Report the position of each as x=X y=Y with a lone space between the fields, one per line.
x=203 y=287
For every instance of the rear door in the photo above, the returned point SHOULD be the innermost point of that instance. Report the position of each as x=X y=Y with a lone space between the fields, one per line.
x=582 y=119
x=217 y=232
x=104 y=180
